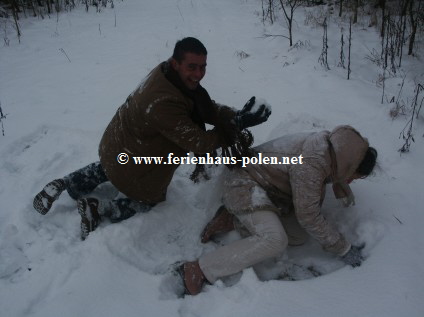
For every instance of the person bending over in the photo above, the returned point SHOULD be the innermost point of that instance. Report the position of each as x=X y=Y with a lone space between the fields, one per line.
x=273 y=206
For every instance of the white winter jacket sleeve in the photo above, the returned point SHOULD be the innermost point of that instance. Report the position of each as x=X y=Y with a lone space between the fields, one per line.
x=308 y=186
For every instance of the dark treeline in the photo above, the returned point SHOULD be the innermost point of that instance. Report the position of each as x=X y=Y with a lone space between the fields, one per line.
x=16 y=9
x=42 y=8
x=403 y=19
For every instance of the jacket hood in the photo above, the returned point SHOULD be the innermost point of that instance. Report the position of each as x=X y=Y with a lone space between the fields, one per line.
x=350 y=148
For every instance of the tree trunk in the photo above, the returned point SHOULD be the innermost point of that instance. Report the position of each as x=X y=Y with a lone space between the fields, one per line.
x=414 y=25
x=383 y=13
x=355 y=12
x=16 y=18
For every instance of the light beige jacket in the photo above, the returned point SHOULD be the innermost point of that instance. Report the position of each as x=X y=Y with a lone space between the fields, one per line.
x=328 y=157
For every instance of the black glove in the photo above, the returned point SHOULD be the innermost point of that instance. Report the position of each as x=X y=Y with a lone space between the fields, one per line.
x=354 y=257
x=245 y=118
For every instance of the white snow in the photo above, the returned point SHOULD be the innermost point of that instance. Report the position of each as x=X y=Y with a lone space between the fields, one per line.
x=57 y=109
x=258 y=103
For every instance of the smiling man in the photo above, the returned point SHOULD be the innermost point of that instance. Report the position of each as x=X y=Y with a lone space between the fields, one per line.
x=166 y=114
x=191 y=68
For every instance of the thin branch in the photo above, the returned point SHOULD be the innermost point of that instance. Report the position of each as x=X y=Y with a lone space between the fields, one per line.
x=2 y=116
x=274 y=35
x=398 y=220
x=63 y=51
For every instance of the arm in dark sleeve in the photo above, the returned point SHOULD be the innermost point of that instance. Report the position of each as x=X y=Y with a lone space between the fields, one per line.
x=172 y=119
x=221 y=114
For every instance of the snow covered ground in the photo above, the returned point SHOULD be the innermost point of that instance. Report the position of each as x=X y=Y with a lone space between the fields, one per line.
x=62 y=84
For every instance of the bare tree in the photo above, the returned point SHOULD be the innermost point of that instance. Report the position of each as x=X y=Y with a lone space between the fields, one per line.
x=402 y=29
x=415 y=9
x=289 y=6
x=15 y=10
x=342 y=56
x=350 y=44
x=394 y=39
x=355 y=11
x=382 y=4
x=2 y=117
x=406 y=133
x=323 y=57
x=5 y=38
x=268 y=11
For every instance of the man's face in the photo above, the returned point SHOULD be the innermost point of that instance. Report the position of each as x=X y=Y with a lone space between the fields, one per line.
x=191 y=69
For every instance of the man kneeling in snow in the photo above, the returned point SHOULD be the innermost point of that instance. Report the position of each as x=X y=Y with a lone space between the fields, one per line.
x=273 y=206
x=166 y=114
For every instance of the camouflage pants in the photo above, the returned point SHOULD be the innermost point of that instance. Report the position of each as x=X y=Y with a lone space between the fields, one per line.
x=83 y=181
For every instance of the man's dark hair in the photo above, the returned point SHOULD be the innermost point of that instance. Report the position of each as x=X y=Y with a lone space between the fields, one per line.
x=368 y=163
x=188 y=45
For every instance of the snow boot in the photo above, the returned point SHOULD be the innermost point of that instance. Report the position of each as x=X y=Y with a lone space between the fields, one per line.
x=192 y=277
x=43 y=200
x=88 y=208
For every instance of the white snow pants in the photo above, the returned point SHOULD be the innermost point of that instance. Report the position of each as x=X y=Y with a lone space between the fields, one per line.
x=267 y=239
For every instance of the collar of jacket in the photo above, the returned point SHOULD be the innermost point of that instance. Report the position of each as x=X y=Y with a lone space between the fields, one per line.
x=203 y=110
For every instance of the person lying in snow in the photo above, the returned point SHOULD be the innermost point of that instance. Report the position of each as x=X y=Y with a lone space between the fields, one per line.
x=273 y=206
x=166 y=114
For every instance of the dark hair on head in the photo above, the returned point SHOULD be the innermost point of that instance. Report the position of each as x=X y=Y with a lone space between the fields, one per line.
x=188 y=45
x=368 y=163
